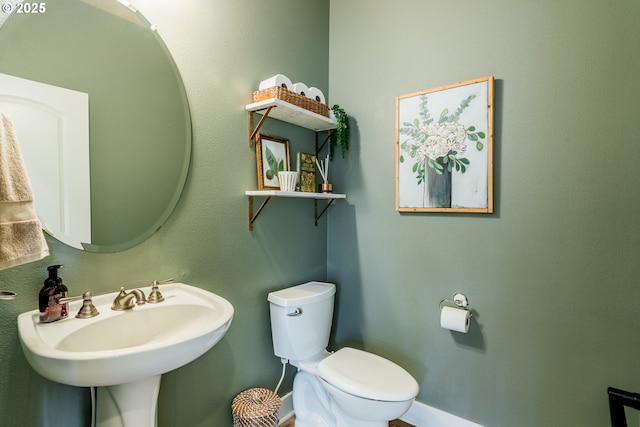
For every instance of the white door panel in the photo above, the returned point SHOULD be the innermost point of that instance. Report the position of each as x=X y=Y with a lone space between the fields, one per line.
x=52 y=126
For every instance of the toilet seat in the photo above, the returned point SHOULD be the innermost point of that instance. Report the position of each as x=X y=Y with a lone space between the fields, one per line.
x=367 y=375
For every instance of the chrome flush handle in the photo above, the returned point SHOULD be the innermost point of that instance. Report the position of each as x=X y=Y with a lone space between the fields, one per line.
x=296 y=313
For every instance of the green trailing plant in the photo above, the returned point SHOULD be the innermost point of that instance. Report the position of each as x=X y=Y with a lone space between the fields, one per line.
x=340 y=137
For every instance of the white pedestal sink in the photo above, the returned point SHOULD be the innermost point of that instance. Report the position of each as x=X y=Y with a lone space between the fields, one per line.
x=124 y=353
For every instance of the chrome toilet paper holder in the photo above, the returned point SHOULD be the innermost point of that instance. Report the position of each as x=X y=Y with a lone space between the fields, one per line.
x=459 y=300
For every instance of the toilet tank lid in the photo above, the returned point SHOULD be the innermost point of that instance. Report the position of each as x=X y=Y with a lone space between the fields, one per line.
x=306 y=293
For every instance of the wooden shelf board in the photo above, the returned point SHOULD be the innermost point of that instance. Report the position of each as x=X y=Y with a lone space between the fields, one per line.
x=298 y=194
x=293 y=114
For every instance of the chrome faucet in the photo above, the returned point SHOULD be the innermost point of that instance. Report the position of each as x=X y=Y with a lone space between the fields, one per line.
x=124 y=300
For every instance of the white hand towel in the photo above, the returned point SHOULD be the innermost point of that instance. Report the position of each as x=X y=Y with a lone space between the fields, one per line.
x=21 y=236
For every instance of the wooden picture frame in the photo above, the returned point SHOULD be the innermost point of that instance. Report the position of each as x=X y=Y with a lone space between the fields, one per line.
x=272 y=156
x=444 y=148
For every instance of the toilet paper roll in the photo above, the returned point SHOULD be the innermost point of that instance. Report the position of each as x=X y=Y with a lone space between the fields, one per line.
x=315 y=93
x=301 y=89
x=455 y=319
x=277 y=80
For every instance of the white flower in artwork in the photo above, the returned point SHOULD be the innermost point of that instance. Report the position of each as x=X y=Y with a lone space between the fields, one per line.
x=439 y=139
x=439 y=144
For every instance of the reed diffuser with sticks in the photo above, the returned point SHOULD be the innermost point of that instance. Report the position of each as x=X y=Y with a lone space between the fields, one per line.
x=323 y=167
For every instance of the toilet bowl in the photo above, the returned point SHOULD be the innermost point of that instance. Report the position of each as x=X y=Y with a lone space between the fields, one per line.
x=348 y=388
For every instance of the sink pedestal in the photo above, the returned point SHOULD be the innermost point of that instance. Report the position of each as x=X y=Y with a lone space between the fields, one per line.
x=128 y=405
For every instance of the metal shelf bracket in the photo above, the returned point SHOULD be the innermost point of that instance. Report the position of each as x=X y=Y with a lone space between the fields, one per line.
x=315 y=209
x=255 y=131
x=253 y=215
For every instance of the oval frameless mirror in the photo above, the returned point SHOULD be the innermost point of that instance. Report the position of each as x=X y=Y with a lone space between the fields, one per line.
x=139 y=123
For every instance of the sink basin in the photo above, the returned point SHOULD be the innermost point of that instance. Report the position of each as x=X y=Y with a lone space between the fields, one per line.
x=119 y=347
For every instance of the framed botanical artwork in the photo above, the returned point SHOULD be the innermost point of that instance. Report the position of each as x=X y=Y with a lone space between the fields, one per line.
x=444 y=148
x=272 y=156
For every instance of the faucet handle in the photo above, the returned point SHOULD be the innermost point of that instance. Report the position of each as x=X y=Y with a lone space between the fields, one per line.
x=155 y=296
x=87 y=310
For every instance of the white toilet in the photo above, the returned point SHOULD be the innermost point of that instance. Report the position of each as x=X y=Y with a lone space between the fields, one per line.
x=348 y=388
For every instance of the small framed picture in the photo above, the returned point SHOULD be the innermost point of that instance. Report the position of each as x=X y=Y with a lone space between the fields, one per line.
x=272 y=156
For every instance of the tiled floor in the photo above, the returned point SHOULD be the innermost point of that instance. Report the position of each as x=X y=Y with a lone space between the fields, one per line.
x=394 y=423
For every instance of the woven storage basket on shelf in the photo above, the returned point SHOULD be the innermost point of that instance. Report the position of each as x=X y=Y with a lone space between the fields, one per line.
x=256 y=407
x=291 y=97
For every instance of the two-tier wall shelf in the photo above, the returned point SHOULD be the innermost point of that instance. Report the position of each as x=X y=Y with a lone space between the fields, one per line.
x=289 y=113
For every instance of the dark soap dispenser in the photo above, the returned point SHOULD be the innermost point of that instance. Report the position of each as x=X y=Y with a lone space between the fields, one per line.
x=53 y=289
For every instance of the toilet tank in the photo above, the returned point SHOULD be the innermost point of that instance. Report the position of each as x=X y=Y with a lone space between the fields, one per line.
x=301 y=320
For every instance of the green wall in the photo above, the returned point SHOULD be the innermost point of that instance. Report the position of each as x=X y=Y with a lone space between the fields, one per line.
x=552 y=275
x=223 y=50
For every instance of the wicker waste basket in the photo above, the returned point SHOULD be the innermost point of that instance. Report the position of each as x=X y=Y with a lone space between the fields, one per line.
x=256 y=407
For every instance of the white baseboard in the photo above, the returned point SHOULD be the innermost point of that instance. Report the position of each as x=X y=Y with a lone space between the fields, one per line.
x=420 y=415
x=286 y=407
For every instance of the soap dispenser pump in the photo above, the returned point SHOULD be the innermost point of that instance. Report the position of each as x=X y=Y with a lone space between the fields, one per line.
x=50 y=294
